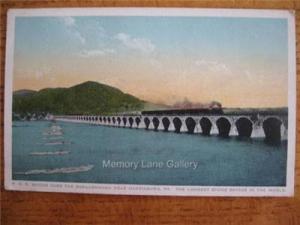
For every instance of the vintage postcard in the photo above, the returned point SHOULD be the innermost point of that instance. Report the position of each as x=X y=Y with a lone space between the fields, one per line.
x=150 y=101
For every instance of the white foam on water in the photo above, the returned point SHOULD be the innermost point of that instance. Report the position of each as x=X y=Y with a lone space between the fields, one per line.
x=57 y=133
x=50 y=153
x=53 y=138
x=55 y=128
x=57 y=143
x=78 y=169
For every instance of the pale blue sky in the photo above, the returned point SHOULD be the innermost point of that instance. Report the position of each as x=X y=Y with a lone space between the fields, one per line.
x=161 y=59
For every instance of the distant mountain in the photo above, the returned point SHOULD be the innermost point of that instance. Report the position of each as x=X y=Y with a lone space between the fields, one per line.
x=86 y=98
x=24 y=92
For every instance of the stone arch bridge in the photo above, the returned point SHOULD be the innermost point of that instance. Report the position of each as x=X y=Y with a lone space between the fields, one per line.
x=272 y=127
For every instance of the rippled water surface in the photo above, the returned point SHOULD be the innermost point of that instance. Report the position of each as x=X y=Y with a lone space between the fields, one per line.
x=72 y=152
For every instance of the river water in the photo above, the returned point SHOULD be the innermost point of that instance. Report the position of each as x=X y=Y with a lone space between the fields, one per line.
x=73 y=152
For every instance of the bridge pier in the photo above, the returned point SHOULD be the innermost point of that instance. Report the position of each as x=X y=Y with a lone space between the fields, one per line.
x=160 y=125
x=171 y=126
x=214 y=129
x=257 y=131
x=151 y=126
x=198 y=129
x=142 y=124
x=183 y=128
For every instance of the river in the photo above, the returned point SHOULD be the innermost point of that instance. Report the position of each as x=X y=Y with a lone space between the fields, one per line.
x=74 y=152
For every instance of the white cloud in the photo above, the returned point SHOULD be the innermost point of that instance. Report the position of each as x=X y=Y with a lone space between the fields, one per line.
x=141 y=44
x=95 y=53
x=213 y=66
x=79 y=36
x=101 y=31
x=69 y=21
x=155 y=63
x=43 y=73
x=248 y=74
x=72 y=28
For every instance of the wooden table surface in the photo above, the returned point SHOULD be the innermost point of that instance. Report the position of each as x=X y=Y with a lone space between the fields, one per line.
x=58 y=208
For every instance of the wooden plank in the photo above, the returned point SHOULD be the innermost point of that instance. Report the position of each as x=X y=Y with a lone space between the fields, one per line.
x=57 y=208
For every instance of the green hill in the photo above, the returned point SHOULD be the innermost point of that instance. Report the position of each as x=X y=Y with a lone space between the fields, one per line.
x=86 y=98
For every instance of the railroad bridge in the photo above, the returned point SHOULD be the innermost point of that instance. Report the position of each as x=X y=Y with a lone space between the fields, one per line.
x=269 y=124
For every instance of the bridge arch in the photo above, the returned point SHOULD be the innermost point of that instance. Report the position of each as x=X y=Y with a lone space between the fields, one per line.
x=166 y=123
x=130 y=120
x=206 y=125
x=155 y=122
x=190 y=125
x=119 y=120
x=177 y=124
x=285 y=123
x=108 y=119
x=114 y=120
x=224 y=126
x=272 y=129
x=124 y=121
x=137 y=121
x=244 y=127
x=147 y=123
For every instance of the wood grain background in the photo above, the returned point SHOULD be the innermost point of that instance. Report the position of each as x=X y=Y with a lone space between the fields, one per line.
x=59 y=209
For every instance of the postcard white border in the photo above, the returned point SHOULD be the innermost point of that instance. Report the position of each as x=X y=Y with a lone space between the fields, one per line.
x=131 y=189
